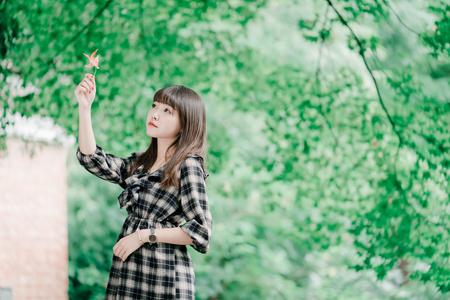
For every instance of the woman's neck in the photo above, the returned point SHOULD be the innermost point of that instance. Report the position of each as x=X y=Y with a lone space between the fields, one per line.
x=163 y=145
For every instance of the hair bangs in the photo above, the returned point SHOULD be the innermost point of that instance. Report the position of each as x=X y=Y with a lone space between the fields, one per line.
x=167 y=96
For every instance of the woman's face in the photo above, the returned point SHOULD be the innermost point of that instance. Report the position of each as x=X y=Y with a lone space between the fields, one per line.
x=163 y=121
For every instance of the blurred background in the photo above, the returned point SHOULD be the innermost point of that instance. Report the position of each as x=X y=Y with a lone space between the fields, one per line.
x=328 y=141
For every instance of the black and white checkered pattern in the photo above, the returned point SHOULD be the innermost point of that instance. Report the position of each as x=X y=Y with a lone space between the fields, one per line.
x=161 y=271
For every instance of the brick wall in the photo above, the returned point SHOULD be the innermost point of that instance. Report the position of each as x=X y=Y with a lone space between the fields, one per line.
x=33 y=221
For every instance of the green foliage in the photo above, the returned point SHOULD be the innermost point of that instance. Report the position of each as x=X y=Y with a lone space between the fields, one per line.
x=439 y=38
x=328 y=134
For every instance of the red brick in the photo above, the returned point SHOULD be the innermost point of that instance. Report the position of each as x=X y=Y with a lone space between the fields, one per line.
x=33 y=207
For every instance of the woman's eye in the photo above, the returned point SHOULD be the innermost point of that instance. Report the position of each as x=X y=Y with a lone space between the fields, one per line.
x=153 y=105
x=168 y=110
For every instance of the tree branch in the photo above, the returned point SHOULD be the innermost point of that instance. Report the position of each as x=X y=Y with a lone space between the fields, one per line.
x=404 y=24
x=361 y=53
x=74 y=38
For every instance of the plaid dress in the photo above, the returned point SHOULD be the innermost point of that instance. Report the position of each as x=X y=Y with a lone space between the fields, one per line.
x=161 y=271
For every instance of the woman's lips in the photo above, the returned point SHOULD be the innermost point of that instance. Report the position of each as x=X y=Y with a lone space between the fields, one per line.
x=152 y=124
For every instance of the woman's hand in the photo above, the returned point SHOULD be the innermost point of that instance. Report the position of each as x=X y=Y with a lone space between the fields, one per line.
x=126 y=245
x=85 y=91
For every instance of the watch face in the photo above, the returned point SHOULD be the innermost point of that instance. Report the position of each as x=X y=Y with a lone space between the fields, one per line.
x=152 y=238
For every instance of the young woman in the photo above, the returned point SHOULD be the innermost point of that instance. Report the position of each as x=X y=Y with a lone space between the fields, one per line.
x=164 y=195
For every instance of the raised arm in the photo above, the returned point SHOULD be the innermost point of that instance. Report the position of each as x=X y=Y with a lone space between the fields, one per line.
x=91 y=156
x=85 y=94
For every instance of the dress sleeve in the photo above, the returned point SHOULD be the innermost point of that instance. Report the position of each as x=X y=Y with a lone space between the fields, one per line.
x=107 y=166
x=194 y=202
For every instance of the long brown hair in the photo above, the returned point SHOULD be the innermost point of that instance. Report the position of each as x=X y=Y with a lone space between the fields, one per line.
x=190 y=140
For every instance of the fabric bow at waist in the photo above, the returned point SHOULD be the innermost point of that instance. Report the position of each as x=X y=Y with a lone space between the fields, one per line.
x=134 y=184
x=129 y=196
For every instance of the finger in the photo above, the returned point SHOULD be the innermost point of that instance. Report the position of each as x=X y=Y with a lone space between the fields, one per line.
x=85 y=88
x=90 y=77
x=86 y=85
x=120 y=252
x=89 y=83
x=116 y=247
x=92 y=80
x=81 y=89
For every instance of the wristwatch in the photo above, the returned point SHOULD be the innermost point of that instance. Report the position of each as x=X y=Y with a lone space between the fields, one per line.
x=152 y=237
